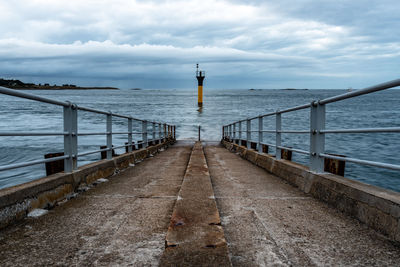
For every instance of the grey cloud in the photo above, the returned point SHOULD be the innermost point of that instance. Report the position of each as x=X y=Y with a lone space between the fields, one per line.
x=309 y=42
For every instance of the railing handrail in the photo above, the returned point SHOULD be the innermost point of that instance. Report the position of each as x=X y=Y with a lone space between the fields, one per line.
x=371 y=89
x=13 y=92
x=70 y=132
x=317 y=129
x=17 y=93
x=367 y=90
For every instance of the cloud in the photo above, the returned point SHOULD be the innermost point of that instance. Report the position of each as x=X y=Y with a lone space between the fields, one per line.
x=144 y=42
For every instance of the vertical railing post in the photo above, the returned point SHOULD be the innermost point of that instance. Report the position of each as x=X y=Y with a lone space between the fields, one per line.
x=174 y=132
x=234 y=133
x=317 y=139
x=199 y=133
x=240 y=133
x=165 y=131
x=159 y=133
x=109 y=135
x=230 y=132
x=68 y=139
x=248 y=136
x=154 y=133
x=260 y=133
x=144 y=133
x=74 y=149
x=70 y=118
x=130 y=135
x=278 y=135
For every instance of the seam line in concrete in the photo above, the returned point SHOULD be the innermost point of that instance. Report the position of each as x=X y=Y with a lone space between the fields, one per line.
x=195 y=236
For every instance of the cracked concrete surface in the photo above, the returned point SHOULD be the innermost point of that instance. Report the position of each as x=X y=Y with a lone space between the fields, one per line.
x=269 y=222
x=120 y=222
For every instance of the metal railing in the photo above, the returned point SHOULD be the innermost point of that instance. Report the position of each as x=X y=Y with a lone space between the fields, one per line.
x=316 y=131
x=70 y=133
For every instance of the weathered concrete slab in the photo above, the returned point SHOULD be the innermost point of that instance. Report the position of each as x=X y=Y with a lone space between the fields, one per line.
x=195 y=237
x=120 y=222
x=377 y=207
x=17 y=201
x=268 y=222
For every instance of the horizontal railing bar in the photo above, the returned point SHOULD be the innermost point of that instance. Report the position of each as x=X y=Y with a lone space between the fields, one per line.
x=33 y=133
x=271 y=145
x=274 y=131
x=92 y=152
x=17 y=93
x=262 y=116
x=363 y=162
x=364 y=91
x=295 y=150
x=364 y=130
x=106 y=113
x=124 y=117
x=294 y=108
x=267 y=115
x=30 y=163
x=93 y=110
x=274 y=113
x=283 y=147
x=116 y=147
x=100 y=133
x=252 y=118
x=106 y=149
x=62 y=133
x=295 y=131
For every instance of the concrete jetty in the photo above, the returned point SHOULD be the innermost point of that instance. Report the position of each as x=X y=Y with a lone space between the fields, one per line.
x=195 y=205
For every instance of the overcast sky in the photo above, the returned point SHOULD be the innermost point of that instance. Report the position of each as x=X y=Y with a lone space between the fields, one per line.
x=240 y=44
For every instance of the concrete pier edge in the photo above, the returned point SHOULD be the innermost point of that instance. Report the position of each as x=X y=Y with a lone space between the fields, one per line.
x=376 y=207
x=17 y=201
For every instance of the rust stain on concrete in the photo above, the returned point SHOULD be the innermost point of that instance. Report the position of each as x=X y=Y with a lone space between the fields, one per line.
x=195 y=237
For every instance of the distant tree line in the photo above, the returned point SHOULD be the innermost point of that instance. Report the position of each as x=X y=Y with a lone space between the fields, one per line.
x=17 y=84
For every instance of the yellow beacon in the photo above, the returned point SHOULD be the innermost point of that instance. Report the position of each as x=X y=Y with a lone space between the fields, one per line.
x=200 y=75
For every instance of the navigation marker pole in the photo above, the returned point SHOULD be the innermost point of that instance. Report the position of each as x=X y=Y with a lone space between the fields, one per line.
x=200 y=75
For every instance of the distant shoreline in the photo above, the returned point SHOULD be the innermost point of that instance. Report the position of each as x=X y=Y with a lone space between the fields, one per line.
x=18 y=85
x=68 y=88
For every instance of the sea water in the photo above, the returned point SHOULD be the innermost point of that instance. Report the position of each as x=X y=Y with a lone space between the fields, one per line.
x=179 y=107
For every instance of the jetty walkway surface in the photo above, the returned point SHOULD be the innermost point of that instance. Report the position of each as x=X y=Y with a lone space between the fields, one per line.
x=194 y=205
